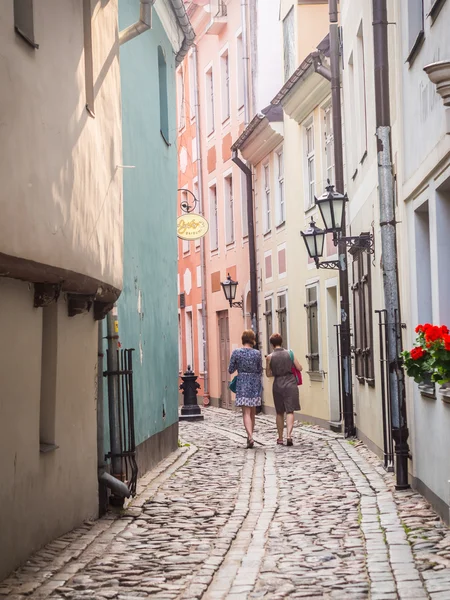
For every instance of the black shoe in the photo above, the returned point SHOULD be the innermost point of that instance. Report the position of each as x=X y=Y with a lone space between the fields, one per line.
x=289 y=442
x=250 y=443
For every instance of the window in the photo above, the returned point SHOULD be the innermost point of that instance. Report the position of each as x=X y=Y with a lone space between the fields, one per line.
x=47 y=413
x=312 y=319
x=24 y=21
x=240 y=71
x=362 y=317
x=192 y=90
x=244 y=207
x=201 y=355
x=268 y=315
x=225 y=83
x=196 y=191
x=163 y=103
x=282 y=318
x=209 y=102
x=361 y=87
x=310 y=165
x=88 y=57
x=189 y=340
x=289 y=44
x=229 y=210
x=186 y=244
x=214 y=231
x=181 y=99
x=415 y=27
x=281 y=210
x=328 y=144
x=266 y=196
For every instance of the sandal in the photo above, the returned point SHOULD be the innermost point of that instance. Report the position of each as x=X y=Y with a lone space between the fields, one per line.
x=289 y=442
x=280 y=442
x=250 y=443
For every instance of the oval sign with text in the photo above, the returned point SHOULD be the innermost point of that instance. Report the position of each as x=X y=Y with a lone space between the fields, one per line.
x=191 y=227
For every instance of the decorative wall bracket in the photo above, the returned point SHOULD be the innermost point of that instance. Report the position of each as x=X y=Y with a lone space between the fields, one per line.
x=439 y=74
x=101 y=309
x=79 y=304
x=46 y=293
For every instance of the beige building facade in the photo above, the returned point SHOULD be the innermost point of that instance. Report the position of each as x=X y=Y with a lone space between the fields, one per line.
x=60 y=258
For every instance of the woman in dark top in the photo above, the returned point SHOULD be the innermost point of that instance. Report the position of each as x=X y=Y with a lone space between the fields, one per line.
x=248 y=363
x=285 y=390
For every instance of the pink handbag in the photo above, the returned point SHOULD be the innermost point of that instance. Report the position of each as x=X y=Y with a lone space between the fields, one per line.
x=295 y=372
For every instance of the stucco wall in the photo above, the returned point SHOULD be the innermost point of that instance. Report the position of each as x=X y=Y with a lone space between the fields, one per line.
x=148 y=305
x=44 y=495
x=61 y=188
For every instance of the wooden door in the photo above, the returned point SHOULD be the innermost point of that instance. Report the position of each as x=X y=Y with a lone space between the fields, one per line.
x=224 y=338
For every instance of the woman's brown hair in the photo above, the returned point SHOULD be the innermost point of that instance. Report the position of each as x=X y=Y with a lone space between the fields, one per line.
x=276 y=340
x=248 y=337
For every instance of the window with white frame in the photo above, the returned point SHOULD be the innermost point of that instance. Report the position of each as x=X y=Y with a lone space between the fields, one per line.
x=196 y=191
x=225 y=85
x=268 y=316
x=312 y=321
x=189 y=339
x=229 y=209
x=181 y=98
x=209 y=89
x=281 y=207
x=266 y=197
x=289 y=44
x=214 y=225
x=192 y=90
x=310 y=164
x=328 y=144
x=201 y=355
x=361 y=85
x=415 y=26
x=186 y=244
x=282 y=315
x=244 y=207
x=240 y=71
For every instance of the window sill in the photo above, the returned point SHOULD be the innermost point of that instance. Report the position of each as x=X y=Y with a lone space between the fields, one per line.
x=214 y=253
x=316 y=375
x=416 y=48
x=363 y=158
x=435 y=9
x=231 y=246
x=166 y=141
x=309 y=209
x=267 y=233
x=197 y=248
x=354 y=175
x=226 y=121
x=281 y=225
x=47 y=448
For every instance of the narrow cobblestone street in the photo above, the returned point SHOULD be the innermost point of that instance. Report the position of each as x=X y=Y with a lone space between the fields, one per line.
x=320 y=519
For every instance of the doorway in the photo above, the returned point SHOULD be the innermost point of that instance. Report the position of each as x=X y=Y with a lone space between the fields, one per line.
x=333 y=358
x=224 y=345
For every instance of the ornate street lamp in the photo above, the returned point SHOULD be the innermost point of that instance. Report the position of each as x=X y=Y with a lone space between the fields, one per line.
x=314 y=239
x=331 y=205
x=229 y=289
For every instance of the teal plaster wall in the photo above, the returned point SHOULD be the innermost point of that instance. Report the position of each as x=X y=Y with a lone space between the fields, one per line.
x=150 y=243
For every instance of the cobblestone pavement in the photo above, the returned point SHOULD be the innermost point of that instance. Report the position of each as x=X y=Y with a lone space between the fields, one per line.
x=214 y=520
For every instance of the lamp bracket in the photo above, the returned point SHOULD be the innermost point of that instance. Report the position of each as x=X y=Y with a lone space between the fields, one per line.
x=186 y=205
x=327 y=264
x=362 y=242
x=237 y=305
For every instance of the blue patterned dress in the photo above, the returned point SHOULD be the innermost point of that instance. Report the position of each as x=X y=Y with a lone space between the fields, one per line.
x=248 y=363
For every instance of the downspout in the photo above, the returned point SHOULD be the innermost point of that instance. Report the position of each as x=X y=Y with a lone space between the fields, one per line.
x=251 y=242
x=179 y=9
x=202 y=241
x=101 y=463
x=388 y=226
x=246 y=61
x=144 y=23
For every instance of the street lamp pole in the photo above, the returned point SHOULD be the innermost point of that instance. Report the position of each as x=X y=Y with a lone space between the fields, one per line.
x=346 y=360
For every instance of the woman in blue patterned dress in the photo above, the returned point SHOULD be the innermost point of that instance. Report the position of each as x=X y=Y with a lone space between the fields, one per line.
x=248 y=363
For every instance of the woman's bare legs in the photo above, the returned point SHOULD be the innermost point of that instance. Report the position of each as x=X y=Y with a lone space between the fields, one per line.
x=253 y=418
x=248 y=420
x=280 y=425
x=289 y=424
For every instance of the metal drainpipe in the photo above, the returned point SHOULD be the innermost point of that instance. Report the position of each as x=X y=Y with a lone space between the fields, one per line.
x=144 y=23
x=202 y=242
x=246 y=61
x=113 y=391
x=251 y=243
x=388 y=227
x=101 y=463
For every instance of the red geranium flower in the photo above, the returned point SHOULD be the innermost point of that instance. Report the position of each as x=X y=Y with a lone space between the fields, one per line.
x=417 y=353
x=419 y=329
x=433 y=334
x=446 y=339
x=444 y=330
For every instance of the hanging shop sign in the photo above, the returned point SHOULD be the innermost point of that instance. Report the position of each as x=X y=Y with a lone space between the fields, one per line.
x=191 y=227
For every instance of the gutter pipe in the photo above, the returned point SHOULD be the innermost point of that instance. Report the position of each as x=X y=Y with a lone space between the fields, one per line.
x=145 y=23
x=388 y=226
x=118 y=488
x=202 y=241
x=101 y=463
x=251 y=242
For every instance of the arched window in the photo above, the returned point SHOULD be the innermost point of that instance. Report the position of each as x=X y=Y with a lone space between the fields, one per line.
x=163 y=103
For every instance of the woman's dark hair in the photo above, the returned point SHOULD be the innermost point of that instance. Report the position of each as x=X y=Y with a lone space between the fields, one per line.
x=276 y=340
x=248 y=337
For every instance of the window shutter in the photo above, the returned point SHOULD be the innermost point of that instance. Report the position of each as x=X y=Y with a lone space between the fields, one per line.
x=183 y=300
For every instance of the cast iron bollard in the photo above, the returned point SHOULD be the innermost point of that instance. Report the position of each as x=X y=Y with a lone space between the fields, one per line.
x=190 y=411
